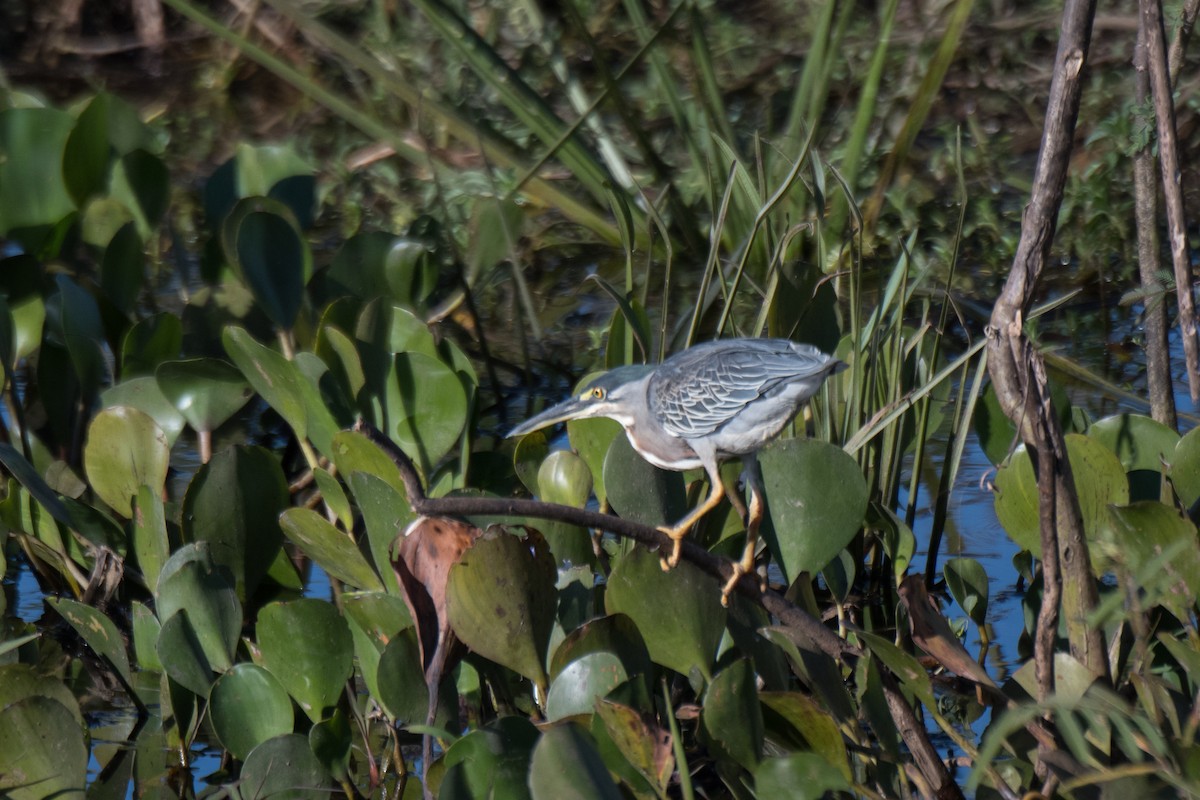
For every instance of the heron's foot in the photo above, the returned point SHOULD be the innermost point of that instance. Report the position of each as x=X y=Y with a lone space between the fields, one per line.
x=676 y=535
x=740 y=568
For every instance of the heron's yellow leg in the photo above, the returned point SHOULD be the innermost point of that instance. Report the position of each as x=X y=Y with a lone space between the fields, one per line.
x=680 y=529
x=746 y=565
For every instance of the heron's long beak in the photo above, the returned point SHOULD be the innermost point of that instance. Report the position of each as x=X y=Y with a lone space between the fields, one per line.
x=567 y=409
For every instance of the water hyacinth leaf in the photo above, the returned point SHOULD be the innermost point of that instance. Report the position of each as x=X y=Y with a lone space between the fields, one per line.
x=353 y=452
x=313 y=676
x=284 y=766
x=233 y=503
x=35 y=194
x=386 y=329
x=1140 y=442
x=429 y=410
x=194 y=581
x=21 y=282
x=493 y=761
x=591 y=439
x=33 y=483
x=141 y=183
x=247 y=706
x=816 y=498
x=375 y=619
x=904 y=666
x=997 y=435
x=495 y=229
x=500 y=599
x=87 y=156
x=182 y=657
x=640 y=491
x=1184 y=468
x=332 y=549
x=335 y=497
x=122 y=269
x=968 y=584
x=1099 y=480
x=566 y=764
x=817 y=729
x=403 y=693
x=577 y=687
x=380 y=264
x=678 y=613
x=206 y=391
x=642 y=743
x=18 y=681
x=143 y=394
x=263 y=242
x=43 y=752
x=528 y=455
x=564 y=478
x=898 y=540
x=732 y=716
x=150 y=342
x=83 y=334
x=330 y=743
x=1152 y=542
x=145 y=638
x=125 y=451
x=386 y=514
x=803 y=776
x=95 y=628
x=616 y=634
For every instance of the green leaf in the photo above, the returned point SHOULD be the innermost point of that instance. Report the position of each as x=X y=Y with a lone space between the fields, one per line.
x=248 y=706
x=1184 y=468
x=284 y=766
x=732 y=716
x=314 y=676
x=375 y=619
x=592 y=439
x=1140 y=442
x=43 y=752
x=616 y=634
x=577 y=687
x=21 y=283
x=125 y=451
x=803 y=776
x=145 y=638
x=141 y=183
x=386 y=514
x=143 y=394
x=500 y=600
x=1099 y=480
x=904 y=666
x=403 y=693
x=195 y=582
x=32 y=141
x=206 y=391
x=493 y=761
x=271 y=257
x=640 y=741
x=95 y=628
x=233 y=503
x=19 y=681
x=83 y=334
x=150 y=342
x=564 y=478
x=678 y=613
x=330 y=742
x=123 y=268
x=1158 y=547
x=332 y=549
x=816 y=498
x=639 y=491
x=426 y=410
x=817 y=728
x=528 y=455
x=968 y=584
x=566 y=766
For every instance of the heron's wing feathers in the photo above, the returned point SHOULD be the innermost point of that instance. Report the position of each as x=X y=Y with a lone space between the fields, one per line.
x=702 y=389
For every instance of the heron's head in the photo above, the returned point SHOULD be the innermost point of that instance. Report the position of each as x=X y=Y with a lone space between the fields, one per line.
x=617 y=394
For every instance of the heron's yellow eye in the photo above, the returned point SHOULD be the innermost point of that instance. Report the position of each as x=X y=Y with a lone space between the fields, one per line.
x=597 y=393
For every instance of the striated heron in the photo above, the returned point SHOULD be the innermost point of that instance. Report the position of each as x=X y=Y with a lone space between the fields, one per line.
x=715 y=401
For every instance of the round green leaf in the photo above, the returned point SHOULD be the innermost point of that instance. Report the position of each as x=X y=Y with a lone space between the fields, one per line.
x=565 y=478
x=968 y=584
x=640 y=491
x=375 y=619
x=817 y=728
x=591 y=439
x=1140 y=442
x=678 y=613
x=284 y=766
x=330 y=742
x=19 y=681
x=150 y=342
x=500 y=598
x=43 y=752
x=35 y=194
x=803 y=776
x=337 y=554
x=125 y=450
x=182 y=658
x=247 y=706
x=581 y=683
x=194 y=582
x=428 y=410
x=1099 y=480
x=401 y=680
x=21 y=282
x=271 y=257
x=95 y=628
x=616 y=634
x=206 y=391
x=566 y=766
x=493 y=761
x=143 y=394
x=1185 y=468
x=816 y=498
x=528 y=455
x=386 y=514
x=233 y=503
x=732 y=716
x=314 y=676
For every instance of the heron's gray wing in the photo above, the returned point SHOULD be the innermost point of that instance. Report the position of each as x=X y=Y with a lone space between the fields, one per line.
x=702 y=389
